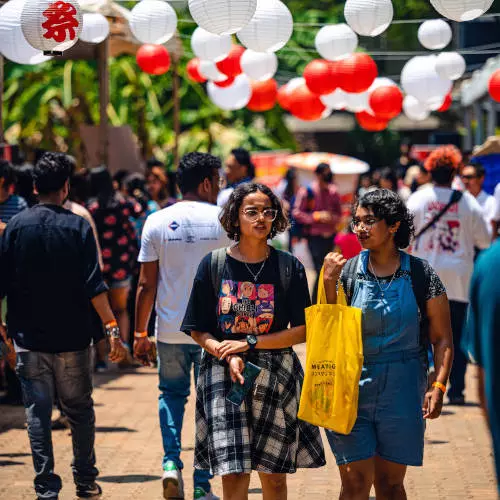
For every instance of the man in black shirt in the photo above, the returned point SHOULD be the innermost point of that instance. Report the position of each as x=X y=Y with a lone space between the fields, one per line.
x=51 y=276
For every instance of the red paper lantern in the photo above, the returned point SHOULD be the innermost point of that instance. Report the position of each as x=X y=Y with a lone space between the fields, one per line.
x=284 y=97
x=448 y=100
x=305 y=105
x=153 y=59
x=386 y=102
x=264 y=95
x=370 y=123
x=231 y=65
x=356 y=73
x=225 y=83
x=320 y=77
x=193 y=71
x=494 y=85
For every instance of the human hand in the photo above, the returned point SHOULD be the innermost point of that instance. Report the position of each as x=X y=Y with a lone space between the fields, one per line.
x=8 y=349
x=433 y=404
x=212 y=346
x=323 y=217
x=334 y=263
x=229 y=347
x=144 y=351
x=2 y=227
x=118 y=351
x=236 y=367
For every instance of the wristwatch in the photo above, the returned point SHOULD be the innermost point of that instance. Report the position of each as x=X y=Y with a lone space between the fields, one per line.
x=113 y=332
x=252 y=342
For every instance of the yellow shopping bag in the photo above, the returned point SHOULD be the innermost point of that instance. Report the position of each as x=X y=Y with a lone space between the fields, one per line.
x=334 y=361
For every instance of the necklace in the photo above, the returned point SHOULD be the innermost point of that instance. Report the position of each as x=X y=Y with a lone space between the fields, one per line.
x=382 y=290
x=254 y=276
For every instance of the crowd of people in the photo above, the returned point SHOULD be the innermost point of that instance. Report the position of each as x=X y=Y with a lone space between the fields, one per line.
x=117 y=260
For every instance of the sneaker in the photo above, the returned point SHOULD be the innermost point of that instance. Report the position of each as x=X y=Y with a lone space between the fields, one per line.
x=173 y=485
x=88 y=491
x=201 y=494
x=101 y=367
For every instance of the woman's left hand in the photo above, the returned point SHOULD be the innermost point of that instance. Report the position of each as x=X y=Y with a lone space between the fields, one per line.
x=433 y=404
x=232 y=347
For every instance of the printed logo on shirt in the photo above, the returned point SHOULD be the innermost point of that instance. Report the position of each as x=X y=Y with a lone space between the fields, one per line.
x=174 y=226
x=245 y=308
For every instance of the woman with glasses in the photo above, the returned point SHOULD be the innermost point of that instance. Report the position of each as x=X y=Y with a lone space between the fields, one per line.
x=404 y=308
x=245 y=311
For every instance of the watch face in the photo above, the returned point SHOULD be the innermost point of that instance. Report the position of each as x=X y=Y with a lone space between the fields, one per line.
x=252 y=340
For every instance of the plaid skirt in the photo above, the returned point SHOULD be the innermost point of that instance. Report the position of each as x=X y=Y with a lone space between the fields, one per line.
x=264 y=433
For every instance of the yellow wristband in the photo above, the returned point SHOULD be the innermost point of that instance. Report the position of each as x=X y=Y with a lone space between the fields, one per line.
x=440 y=386
x=111 y=324
x=140 y=335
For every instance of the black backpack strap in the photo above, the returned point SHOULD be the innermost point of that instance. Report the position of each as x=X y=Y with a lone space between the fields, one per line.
x=285 y=262
x=420 y=284
x=348 y=278
x=217 y=268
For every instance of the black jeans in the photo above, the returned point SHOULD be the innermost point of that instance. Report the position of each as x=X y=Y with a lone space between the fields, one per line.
x=319 y=247
x=40 y=375
x=457 y=376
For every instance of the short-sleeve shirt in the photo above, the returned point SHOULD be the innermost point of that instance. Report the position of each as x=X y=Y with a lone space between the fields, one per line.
x=244 y=306
x=11 y=207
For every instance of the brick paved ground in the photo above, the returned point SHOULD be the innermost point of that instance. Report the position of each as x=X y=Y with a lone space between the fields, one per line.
x=458 y=456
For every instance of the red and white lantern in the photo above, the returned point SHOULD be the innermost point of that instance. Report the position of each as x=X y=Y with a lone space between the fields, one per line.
x=52 y=26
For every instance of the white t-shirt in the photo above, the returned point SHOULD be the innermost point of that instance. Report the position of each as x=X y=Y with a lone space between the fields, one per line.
x=449 y=245
x=224 y=196
x=179 y=237
x=497 y=200
x=489 y=207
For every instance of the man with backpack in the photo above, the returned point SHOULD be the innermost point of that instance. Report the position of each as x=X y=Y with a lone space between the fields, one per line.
x=449 y=226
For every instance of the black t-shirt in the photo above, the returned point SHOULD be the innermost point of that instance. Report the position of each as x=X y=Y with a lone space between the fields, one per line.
x=242 y=306
x=49 y=271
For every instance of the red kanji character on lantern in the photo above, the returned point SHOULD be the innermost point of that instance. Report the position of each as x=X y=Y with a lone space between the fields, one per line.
x=61 y=22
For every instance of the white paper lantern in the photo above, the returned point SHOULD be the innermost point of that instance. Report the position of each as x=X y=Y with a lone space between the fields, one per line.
x=357 y=102
x=435 y=34
x=434 y=104
x=95 y=28
x=222 y=17
x=259 y=66
x=336 y=100
x=414 y=109
x=50 y=26
x=270 y=28
x=462 y=10
x=153 y=21
x=381 y=81
x=13 y=45
x=209 y=70
x=210 y=47
x=369 y=17
x=232 y=98
x=336 y=42
x=450 y=65
x=420 y=79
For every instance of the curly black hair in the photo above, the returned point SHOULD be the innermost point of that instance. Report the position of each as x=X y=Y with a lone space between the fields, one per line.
x=51 y=172
x=387 y=205
x=194 y=168
x=231 y=213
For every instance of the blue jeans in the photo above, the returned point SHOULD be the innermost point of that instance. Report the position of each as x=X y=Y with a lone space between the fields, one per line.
x=69 y=373
x=174 y=368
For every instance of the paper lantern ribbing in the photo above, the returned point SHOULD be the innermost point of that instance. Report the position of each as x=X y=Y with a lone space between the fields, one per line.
x=370 y=123
x=450 y=65
x=336 y=100
x=320 y=77
x=235 y=97
x=209 y=47
x=193 y=71
x=153 y=21
x=305 y=105
x=369 y=17
x=336 y=42
x=386 y=102
x=13 y=45
x=494 y=85
x=223 y=17
x=51 y=26
x=446 y=105
x=435 y=34
x=209 y=71
x=153 y=59
x=462 y=10
x=259 y=66
x=270 y=28
x=420 y=79
x=414 y=109
x=264 y=95
x=356 y=73
x=231 y=65
x=95 y=28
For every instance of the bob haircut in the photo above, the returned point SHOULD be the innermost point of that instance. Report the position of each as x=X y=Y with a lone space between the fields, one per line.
x=231 y=213
x=387 y=205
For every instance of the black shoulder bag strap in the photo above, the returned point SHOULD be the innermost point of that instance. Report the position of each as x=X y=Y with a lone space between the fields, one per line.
x=217 y=268
x=348 y=278
x=285 y=262
x=420 y=284
x=456 y=196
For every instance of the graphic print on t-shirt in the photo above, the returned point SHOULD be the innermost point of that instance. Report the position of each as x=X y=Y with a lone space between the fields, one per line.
x=245 y=308
x=446 y=235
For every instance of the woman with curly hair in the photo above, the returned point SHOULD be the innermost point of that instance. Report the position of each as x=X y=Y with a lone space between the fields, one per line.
x=405 y=308
x=244 y=310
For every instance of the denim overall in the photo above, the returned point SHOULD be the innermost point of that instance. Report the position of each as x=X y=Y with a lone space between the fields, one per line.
x=390 y=423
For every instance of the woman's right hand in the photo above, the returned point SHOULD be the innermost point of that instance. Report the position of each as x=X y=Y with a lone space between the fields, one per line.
x=236 y=367
x=334 y=263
